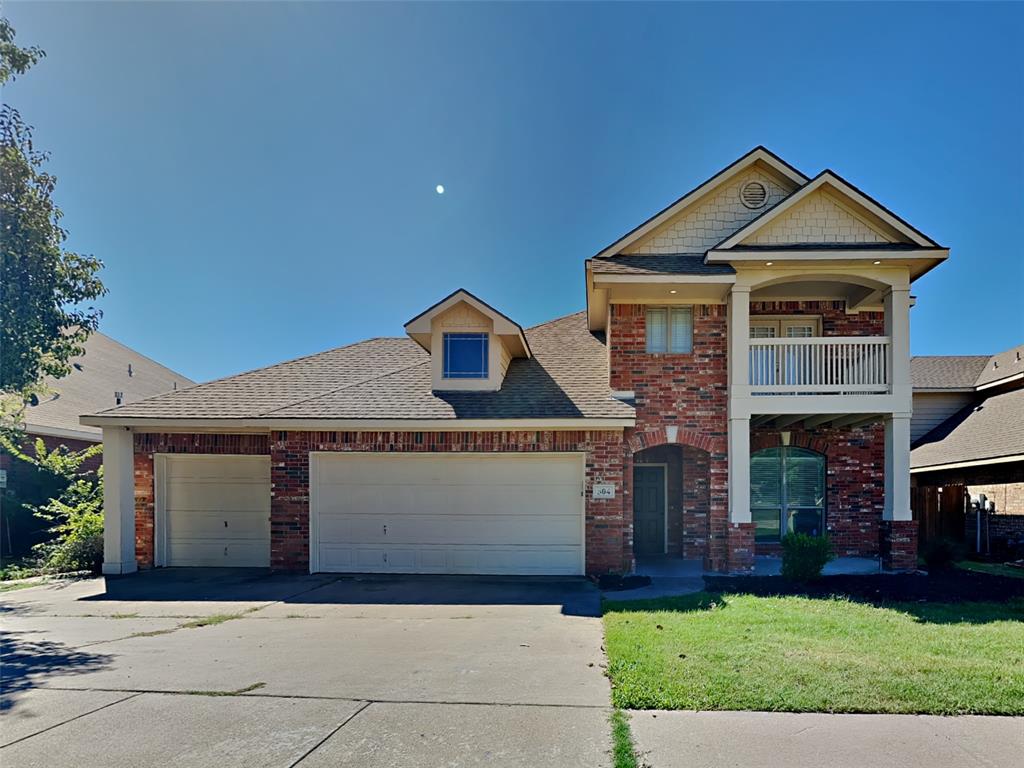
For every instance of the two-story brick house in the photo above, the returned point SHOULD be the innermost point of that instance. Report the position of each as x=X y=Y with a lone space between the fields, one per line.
x=742 y=369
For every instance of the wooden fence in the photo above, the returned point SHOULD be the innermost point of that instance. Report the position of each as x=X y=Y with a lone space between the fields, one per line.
x=940 y=511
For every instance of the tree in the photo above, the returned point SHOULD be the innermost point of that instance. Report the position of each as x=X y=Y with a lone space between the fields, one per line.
x=44 y=288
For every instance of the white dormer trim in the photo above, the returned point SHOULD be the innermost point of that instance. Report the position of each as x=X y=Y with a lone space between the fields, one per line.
x=757 y=155
x=505 y=339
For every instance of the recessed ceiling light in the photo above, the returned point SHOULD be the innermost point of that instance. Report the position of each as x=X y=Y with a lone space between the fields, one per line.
x=876 y=263
x=673 y=290
x=768 y=263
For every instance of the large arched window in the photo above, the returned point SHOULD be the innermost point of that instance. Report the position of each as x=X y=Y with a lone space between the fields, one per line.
x=787 y=492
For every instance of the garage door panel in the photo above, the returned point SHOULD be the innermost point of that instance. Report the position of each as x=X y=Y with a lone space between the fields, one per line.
x=226 y=496
x=480 y=501
x=195 y=553
x=459 y=560
x=204 y=524
x=215 y=510
x=450 y=529
x=445 y=513
x=444 y=469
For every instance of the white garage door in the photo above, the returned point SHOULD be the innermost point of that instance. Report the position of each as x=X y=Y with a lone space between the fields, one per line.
x=447 y=513
x=213 y=510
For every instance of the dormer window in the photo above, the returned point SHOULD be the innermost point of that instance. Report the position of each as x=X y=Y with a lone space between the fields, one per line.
x=466 y=356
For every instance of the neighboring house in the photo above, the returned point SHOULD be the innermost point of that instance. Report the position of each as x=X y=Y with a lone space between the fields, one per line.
x=968 y=429
x=108 y=374
x=742 y=370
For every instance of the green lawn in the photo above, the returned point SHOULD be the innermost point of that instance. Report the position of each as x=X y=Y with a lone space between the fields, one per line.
x=797 y=654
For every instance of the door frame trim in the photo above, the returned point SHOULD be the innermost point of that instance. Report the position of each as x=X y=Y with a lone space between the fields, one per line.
x=314 y=502
x=664 y=505
x=160 y=496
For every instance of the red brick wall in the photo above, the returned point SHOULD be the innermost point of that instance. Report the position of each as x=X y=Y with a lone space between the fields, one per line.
x=145 y=495
x=289 y=474
x=834 y=319
x=689 y=392
x=854 y=477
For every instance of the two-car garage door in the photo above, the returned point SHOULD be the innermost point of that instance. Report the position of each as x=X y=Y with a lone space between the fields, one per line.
x=447 y=513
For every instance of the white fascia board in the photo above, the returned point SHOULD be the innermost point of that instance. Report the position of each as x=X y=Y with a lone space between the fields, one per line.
x=600 y=278
x=356 y=425
x=1004 y=380
x=966 y=464
x=691 y=197
x=36 y=430
x=720 y=256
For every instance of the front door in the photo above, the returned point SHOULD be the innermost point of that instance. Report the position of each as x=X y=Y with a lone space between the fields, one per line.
x=649 y=510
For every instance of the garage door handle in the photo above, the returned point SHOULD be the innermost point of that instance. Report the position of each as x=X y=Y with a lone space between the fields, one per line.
x=385 y=530
x=225 y=523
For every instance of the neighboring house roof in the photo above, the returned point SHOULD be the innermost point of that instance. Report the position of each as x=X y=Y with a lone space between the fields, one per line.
x=1005 y=365
x=946 y=372
x=990 y=430
x=966 y=372
x=389 y=378
x=658 y=264
x=94 y=378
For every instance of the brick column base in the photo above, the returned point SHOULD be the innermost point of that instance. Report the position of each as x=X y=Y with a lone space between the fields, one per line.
x=897 y=545
x=740 y=548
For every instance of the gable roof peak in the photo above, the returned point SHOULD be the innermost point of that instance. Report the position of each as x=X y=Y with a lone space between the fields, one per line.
x=759 y=154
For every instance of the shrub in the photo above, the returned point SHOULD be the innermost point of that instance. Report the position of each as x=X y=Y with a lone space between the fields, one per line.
x=78 y=512
x=940 y=553
x=804 y=557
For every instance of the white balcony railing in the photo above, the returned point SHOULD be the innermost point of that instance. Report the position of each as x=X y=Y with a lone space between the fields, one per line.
x=823 y=365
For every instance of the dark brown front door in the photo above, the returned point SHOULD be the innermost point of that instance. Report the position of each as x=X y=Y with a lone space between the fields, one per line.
x=649 y=510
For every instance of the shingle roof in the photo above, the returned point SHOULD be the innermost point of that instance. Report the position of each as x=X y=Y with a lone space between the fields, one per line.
x=965 y=371
x=660 y=264
x=1008 y=363
x=946 y=371
x=987 y=430
x=94 y=378
x=389 y=378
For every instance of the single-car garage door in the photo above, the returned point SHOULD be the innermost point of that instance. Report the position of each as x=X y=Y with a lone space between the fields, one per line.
x=213 y=510
x=447 y=513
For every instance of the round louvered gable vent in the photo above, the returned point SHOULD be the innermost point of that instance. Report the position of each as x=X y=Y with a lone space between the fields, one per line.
x=753 y=194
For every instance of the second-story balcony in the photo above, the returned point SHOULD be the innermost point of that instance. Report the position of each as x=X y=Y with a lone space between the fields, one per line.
x=833 y=365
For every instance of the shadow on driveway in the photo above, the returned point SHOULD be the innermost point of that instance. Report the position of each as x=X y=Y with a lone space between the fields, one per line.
x=29 y=663
x=575 y=596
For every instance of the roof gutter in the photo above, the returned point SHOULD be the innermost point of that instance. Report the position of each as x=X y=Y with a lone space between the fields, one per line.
x=965 y=464
x=352 y=425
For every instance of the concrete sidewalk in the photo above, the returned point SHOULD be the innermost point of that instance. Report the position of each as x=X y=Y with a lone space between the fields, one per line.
x=733 y=739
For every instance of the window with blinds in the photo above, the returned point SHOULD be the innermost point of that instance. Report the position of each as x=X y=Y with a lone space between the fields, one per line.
x=787 y=492
x=670 y=329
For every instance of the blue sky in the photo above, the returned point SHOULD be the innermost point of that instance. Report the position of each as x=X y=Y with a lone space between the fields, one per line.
x=259 y=178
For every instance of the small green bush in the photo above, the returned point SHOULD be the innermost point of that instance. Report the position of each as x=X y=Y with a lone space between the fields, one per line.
x=804 y=557
x=78 y=542
x=940 y=553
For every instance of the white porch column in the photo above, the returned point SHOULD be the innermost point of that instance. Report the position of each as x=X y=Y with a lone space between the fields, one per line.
x=739 y=337
x=739 y=470
x=118 y=501
x=897 y=468
x=897 y=328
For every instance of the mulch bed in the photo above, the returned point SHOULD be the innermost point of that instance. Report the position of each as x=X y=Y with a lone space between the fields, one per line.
x=950 y=586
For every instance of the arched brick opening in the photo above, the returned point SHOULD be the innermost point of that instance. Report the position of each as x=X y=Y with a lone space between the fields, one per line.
x=696 y=494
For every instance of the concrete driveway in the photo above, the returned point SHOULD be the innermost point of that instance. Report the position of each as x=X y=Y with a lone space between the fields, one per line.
x=228 y=667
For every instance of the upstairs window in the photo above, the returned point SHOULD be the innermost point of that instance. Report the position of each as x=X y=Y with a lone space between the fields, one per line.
x=466 y=356
x=670 y=329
